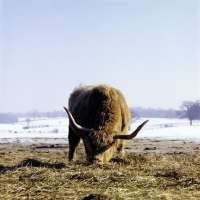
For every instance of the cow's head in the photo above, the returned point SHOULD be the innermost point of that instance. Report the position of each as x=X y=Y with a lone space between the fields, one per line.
x=99 y=145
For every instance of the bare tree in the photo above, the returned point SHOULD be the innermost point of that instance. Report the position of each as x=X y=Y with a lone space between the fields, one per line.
x=134 y=117
x=190 y=110
x=28 y=120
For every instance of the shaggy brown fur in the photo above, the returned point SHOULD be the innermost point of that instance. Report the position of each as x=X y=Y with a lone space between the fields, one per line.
x=103 y=109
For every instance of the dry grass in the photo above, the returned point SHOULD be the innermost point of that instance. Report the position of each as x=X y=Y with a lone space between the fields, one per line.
x=29 y=173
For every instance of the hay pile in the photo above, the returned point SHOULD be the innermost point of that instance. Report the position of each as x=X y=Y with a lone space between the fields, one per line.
x=46 y=174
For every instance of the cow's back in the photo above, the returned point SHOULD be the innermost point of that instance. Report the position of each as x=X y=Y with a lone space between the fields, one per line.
x=99 y=107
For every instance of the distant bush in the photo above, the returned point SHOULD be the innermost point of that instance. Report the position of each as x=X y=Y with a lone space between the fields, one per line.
x=168 y=125
x=32 y=127
x=8 y=118
x=25 y=127
x=55 y=130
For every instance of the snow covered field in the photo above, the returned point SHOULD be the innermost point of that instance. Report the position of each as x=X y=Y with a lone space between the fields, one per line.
x=43 y=130
x=56 y=130
x=169 y=129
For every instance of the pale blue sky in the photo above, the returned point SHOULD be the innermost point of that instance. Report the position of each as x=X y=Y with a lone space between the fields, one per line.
x=148 y=49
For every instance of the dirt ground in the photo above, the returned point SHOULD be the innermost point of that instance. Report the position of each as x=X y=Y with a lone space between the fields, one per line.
x=145 y=146
x=150 y=169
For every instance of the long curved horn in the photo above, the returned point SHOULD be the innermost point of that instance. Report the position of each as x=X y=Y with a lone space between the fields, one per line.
x=74 y=125
x=132 y=135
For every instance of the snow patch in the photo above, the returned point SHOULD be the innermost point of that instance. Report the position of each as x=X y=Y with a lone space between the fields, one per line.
x=56 y=129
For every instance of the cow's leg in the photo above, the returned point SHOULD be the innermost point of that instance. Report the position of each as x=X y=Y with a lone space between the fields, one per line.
x=120 y=148
x=73 y=144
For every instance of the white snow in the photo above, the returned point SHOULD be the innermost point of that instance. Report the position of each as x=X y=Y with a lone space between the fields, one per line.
x=44 y=130
x=169 y=129
x=57 y=129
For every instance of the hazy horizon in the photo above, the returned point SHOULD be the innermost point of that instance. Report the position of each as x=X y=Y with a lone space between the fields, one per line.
x=150 y=50
x=61 y=109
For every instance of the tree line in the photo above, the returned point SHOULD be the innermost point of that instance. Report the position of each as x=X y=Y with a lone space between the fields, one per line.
x=8 y=118
x=153 y=113
x=37 y=114
x=188 y=109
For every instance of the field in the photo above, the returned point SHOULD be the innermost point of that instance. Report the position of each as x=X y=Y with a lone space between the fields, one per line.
x=36 y=167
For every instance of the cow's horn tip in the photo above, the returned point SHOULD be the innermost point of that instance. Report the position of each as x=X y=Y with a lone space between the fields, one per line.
x=65 y=108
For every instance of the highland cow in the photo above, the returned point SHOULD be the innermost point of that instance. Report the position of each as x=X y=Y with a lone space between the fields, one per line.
x=100 y=117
